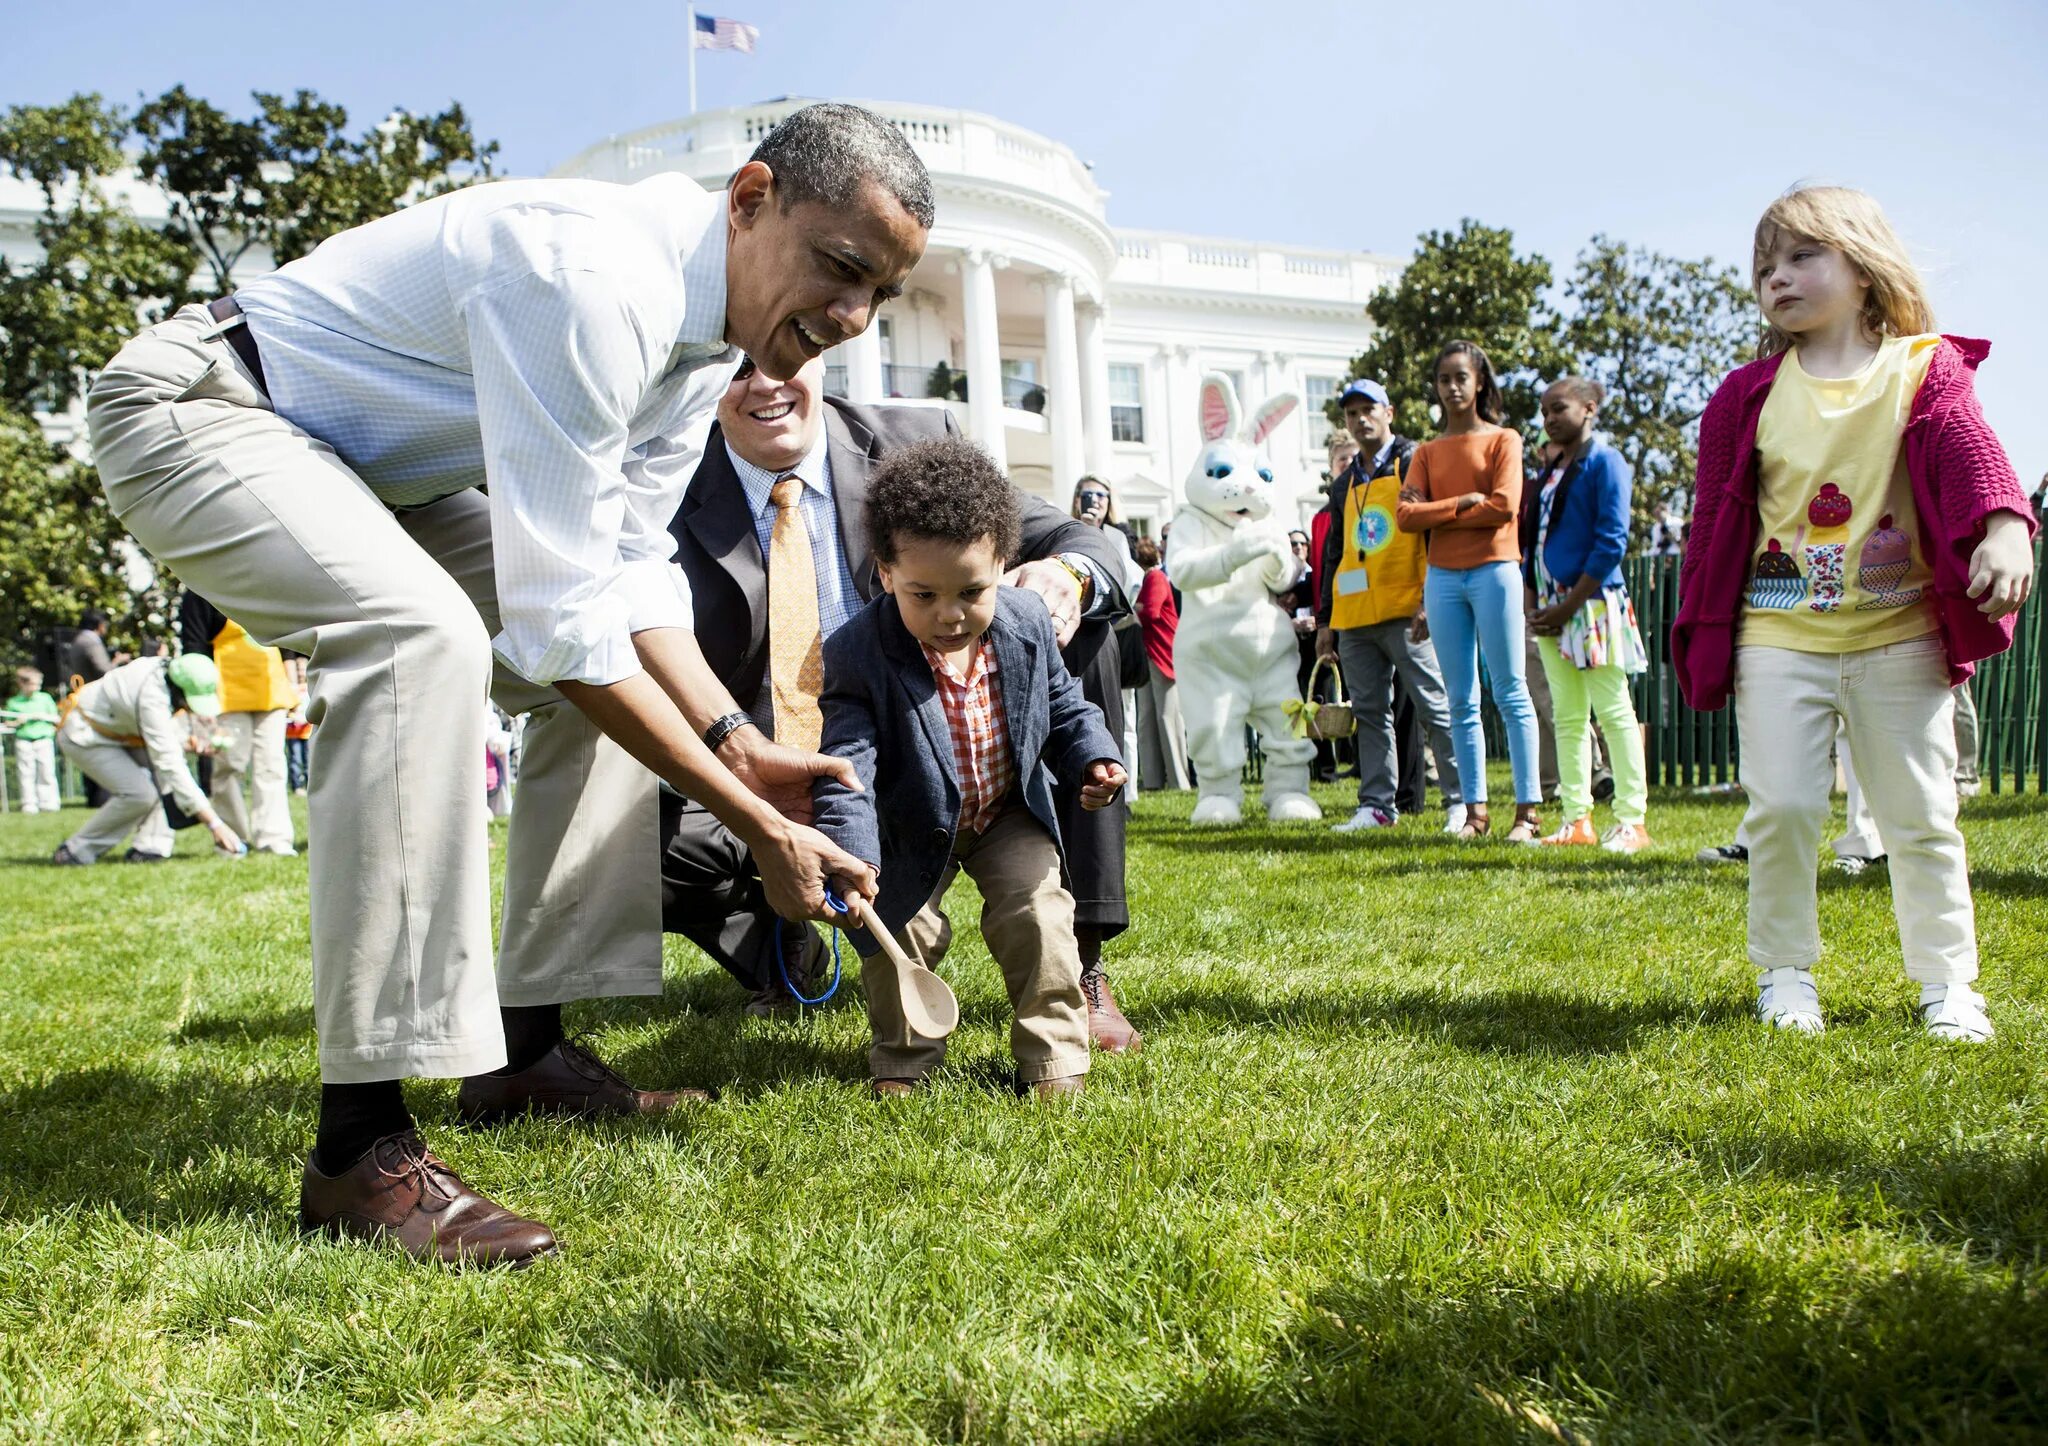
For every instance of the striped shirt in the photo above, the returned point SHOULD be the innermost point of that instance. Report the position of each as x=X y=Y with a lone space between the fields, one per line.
x=562 y=341
x=981 y=742
x=838 y=600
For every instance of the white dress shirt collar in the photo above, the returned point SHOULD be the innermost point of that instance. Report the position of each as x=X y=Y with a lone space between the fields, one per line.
x=814 y=471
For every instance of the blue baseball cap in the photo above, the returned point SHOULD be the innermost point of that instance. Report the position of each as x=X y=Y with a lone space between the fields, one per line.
x=1362 y=387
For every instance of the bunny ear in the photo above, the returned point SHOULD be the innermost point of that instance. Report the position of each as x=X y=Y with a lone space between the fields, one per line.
x=1270 y=415
x=1219 y=407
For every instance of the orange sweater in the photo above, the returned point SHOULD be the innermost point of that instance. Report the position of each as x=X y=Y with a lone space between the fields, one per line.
x=1446 y=469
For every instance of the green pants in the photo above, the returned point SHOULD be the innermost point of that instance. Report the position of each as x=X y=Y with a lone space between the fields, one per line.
x=1577 y=695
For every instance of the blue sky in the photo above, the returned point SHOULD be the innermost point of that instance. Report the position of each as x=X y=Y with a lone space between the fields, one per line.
x=1343 y=124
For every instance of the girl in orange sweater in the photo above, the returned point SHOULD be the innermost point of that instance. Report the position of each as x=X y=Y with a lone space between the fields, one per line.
x=1464 y=489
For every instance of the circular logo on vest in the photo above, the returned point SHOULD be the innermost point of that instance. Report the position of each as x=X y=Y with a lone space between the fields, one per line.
x=1375 y=527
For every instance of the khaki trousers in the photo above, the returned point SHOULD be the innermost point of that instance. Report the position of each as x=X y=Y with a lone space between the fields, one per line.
x=395 y=615
x=252 y=748
x=1027 y=920
x=133 y=804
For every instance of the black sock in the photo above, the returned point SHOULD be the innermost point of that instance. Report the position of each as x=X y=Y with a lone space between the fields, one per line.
x=530 y=1033
x=354 y=1117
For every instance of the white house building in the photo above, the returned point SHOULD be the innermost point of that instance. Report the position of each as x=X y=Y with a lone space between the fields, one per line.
x=1081 y=344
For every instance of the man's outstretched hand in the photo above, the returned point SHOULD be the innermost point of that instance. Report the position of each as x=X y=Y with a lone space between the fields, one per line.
x=780 y=776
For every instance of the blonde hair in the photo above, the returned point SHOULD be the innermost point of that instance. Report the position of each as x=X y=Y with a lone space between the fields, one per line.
x=1854 y=224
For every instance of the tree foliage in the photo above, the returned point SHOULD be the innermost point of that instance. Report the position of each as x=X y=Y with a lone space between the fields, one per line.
x=61 y=551
x=1466 y=284
x=102 y=273
x=290 y=176
x=1658 y=333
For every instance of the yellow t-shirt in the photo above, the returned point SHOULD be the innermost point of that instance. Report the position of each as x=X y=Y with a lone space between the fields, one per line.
x=1839 y=566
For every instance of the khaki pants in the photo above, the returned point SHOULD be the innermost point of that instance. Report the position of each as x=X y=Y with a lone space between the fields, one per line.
x=1027 y=920
x=252 y=748
x=395 y=614
x=133 y=804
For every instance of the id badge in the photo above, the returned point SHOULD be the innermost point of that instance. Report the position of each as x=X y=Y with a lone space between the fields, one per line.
x=1352 y=583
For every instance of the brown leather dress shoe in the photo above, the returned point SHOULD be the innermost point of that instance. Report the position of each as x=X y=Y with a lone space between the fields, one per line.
x=1107 y=1027
x=567 y=1080
x=894 y=1089
x=401 y=1195
x=803 y=955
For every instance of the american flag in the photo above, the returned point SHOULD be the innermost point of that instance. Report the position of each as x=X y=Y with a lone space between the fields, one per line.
x=714 y=32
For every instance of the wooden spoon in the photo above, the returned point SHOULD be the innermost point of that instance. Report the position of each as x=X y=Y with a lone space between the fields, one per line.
x=929 y=1007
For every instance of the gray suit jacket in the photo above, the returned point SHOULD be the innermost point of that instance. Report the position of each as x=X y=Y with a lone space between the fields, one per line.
x=884 y=715
x=721 y=557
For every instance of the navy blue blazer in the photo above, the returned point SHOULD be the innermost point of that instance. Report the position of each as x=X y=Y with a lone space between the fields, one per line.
x=883 y=714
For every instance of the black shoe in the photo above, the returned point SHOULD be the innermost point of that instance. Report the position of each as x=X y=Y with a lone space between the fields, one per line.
x=803 y=960
x=65 y=859
x=140 y=856
x=1603 y=788
x=1723 y=854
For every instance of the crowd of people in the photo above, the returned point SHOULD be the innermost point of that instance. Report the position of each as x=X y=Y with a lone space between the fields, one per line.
x=783 y=660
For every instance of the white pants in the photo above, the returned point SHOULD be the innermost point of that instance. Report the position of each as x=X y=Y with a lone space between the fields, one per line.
x=134 y=804
x=35 y=770
x=1895 y=708
x=252 y=746
x=395 y=613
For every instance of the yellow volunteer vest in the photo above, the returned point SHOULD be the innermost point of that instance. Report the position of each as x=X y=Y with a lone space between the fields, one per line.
x=1380 y=567
x=252 y=677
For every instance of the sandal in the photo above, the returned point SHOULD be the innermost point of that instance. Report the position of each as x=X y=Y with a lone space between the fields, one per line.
x=1477 y=824
x=1528 y=825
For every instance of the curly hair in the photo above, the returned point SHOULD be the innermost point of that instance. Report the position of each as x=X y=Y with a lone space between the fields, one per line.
x=944 y=489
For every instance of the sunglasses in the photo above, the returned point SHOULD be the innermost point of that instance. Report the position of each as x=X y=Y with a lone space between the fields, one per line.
x=1092 y=496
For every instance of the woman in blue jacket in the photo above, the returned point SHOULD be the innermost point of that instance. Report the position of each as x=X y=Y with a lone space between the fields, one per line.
x=1574 y=533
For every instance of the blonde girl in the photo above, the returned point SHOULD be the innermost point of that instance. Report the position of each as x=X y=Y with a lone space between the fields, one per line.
x=1859 y=542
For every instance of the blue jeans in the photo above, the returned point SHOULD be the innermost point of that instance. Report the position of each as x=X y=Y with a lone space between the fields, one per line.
x=1468 y=610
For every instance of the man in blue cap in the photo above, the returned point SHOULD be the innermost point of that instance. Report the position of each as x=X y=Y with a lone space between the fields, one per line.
x=1369 y=620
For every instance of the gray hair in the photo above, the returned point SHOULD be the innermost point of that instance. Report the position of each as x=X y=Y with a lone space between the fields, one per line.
x=826 y=152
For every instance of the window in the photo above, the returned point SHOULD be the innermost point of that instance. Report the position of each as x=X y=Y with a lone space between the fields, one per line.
x=1126 y=402
x=1315 y=400
x=885 y=333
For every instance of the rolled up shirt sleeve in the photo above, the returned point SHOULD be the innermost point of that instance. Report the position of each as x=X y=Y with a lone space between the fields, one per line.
x=560 y=363
x=165 y=746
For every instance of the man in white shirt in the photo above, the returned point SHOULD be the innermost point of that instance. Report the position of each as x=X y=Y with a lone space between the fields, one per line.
x=312 y=455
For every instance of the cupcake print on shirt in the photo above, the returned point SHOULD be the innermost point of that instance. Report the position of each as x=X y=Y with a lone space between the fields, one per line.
x=1882 y=565
x=1827 y=546
x=1776 y=582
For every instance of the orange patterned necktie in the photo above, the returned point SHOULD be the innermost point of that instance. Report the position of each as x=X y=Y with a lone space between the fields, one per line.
x=796 y=656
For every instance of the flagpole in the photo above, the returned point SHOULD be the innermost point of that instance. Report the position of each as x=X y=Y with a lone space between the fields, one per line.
x=690 y=15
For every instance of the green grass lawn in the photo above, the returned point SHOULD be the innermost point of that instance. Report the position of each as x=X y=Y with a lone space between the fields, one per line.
x=1427 y=1141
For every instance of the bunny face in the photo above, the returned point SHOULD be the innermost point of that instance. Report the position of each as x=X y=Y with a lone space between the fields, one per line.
x=1233 y=480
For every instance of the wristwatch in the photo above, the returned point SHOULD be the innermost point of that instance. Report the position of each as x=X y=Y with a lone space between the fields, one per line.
x=723 y=728
x=1081 y=575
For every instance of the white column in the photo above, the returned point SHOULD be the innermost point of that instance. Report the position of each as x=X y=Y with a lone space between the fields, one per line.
x=1062 y=382
x=1094 y=390
x=984 y=354
x=863 y=357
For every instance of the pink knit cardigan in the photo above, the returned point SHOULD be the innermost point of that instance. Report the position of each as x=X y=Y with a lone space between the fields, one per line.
x=1960 y=477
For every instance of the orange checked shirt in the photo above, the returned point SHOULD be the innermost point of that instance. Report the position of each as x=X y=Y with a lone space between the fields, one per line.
x=981 y=744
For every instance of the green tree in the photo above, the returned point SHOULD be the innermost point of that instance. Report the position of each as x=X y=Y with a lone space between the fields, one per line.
x=102 y=273
x=1466 y=284
x=290 y=176
x=1658 y=333
x=61 y=550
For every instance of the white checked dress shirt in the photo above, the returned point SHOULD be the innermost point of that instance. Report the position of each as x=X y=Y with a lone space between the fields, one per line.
x=562 y=341
x=837 y=598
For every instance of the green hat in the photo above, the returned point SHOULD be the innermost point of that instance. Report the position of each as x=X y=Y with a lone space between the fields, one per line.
x=194 y=675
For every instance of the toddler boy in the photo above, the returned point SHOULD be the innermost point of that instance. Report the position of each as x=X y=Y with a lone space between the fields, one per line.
x=31 y=715
x=948 y=696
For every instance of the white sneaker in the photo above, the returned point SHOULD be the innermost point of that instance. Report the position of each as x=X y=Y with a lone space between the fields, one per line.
x=1787 y=998
x=1366 y=817
x=1955 y=1011
x=1454 y=817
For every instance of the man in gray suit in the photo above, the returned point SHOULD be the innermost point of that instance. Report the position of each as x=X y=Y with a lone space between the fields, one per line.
x=768 y=430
